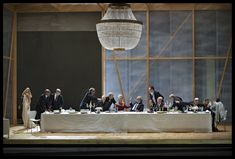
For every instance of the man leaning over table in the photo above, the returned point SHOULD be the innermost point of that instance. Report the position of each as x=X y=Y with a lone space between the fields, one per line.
x=89 y=98
x=44 y=103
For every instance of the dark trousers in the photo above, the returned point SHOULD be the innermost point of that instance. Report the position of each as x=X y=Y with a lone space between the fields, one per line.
x=213 y=120
x=38 y=115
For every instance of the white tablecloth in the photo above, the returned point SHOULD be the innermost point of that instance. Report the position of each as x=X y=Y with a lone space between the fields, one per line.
x=6 y=127
x=127 y=122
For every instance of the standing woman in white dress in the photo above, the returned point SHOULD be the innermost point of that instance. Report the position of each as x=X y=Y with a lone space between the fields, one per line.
x=27 y=95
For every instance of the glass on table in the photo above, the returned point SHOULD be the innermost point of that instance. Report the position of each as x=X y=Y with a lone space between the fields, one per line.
x=176 y=108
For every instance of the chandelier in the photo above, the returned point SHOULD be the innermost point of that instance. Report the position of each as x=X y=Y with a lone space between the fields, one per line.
x=119 y=29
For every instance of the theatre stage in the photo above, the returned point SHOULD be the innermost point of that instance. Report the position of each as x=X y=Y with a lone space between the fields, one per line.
x=19 y=135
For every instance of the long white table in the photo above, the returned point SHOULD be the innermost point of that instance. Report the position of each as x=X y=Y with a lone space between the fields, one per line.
x=6 y=127
x=127 y=122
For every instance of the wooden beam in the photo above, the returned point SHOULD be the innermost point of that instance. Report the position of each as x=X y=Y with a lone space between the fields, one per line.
x=142 y=77
x=129 y=59
x=9 y=65
x=224 y=70
x=9 y=7
x=211 y=6
x=211 y=58
x=101 y=7
x=171 y=58
x=103 y=61
x=138 y=6
x=193 y=54
x=147 y=7
x=7 y=58
x=148 y=51
x=190 y=6
x=119 y=77
x=173 y=35
x=93 y=7
x=57 y=8
x=14 y=73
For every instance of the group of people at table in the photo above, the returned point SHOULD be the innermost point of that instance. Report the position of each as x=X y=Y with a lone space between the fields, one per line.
x=54 y=101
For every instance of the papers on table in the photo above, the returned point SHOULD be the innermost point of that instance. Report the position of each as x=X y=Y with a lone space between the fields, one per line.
x=85 y=111
x=189 y=112
x=46 y=112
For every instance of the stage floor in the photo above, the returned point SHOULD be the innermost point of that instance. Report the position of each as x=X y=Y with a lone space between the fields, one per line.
x=19 y=135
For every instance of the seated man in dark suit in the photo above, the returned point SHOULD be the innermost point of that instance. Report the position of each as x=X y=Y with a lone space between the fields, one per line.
x=177 y=102
x=57 y=100
x=88 y=99
x=44 y=103
x=154 y=95
x=138 y=106
x=102 y=103
x=195 y=104
x=160 y=104
x=110 y=100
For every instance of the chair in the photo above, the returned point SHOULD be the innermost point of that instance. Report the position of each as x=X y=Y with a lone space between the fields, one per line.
x=32 y=119
x=223 y=118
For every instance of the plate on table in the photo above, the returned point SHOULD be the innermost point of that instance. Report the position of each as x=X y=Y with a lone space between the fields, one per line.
x=46 y=112
x=72 y=112
x=84 y=111
x=56 y=112
x=201 y=112
x=190 y=112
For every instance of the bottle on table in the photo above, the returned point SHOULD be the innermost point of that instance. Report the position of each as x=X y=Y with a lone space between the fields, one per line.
x=90 y=106
x=116 y=109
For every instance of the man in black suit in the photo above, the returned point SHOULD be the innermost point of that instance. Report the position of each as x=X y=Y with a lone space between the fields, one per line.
x=44 y=103
x=88 y=99
x=57 y=100
x=102 y=103
x=196 y=102
x=110 y=100
x=178 y=102
x=138 y=106
x=154 y=95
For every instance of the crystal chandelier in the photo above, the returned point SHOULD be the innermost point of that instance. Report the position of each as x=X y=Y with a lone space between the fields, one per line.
x=119 y=29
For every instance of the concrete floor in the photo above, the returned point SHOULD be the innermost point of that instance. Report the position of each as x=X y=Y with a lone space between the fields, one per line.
x=19 y=135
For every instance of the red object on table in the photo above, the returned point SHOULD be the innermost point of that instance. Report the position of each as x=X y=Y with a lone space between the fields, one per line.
x=121 y=106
